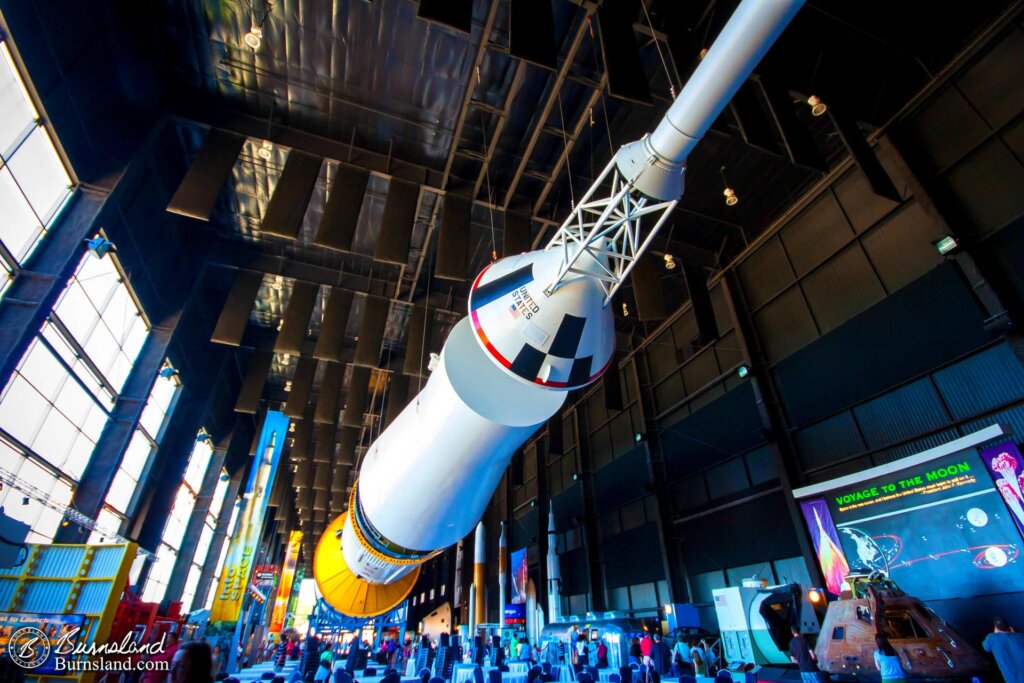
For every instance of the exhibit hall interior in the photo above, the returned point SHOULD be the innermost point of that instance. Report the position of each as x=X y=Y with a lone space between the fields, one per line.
x=511 y=341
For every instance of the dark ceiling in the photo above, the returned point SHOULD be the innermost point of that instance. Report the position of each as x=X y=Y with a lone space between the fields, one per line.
x=514 y=135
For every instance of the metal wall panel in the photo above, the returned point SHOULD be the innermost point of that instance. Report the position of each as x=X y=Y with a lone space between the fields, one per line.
x=197 y=194
x=451 y=262
x=816 y=233
x=397 y=222
x=295 y=323
x=233 y=317
x=901 y=414
x=765 y=273
x=827 y=441
x=901 y=246
x=287 y=206
x=785 y=325
x=341 y=213
x=943 y=131
x=862 y=207
x=332 y=331
x=982 y=382
x=842 y=288
x=992 y=88
x=987 y=185
x=371 y=331
x=302 y=383
x=252 y=386
x=355 y=402
x=327 y=400
x=420 y=326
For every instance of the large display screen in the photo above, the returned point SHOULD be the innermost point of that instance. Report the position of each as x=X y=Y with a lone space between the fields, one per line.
x=939 y=529
x=520 y=576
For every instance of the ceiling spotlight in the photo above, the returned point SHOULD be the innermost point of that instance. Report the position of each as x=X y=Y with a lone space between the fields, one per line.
x=254 y=37
x=743 y=370
x=731 y=198
x=265 y=150
x=946 y=245
x=817 y=106
x=625 y=310
x=670 y=262
x=24 y=501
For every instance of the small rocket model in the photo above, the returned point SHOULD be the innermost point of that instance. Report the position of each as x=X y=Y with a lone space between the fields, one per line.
x=502 y=574
x=554 y=572
x=479 y=558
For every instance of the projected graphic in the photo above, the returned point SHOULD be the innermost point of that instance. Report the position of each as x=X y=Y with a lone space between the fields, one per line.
x=939 y=529
x=826 y=543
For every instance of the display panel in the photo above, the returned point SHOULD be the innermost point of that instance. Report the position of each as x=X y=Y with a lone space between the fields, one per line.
x=939 y=528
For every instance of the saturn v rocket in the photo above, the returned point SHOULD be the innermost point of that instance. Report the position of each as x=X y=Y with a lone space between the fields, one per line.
x=539 y=325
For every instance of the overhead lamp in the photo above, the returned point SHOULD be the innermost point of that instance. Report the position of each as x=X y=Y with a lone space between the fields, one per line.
x=625 y=310
x=946 y=245
x=254 y=37
x=731 y=198
x=167 y=372
x=638 y=437
x=743 y=370
x=24 y=500
x=817 y=106
x=670 y=262
x=265 y=151
x=288 y=387
x=814 y=596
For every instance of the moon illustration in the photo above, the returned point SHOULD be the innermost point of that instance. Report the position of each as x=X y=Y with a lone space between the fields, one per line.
x=977 y=517
x=996 y=556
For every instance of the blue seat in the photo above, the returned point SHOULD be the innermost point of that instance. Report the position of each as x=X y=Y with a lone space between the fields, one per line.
x=478 y=675
x=634 y=666
x=585 y=677
x=267 y=676
x=615 y=678
x=424 y=675
x=392 y=677
x=687 y=678
x=723 y=676
x=342 y=676
x=494 y=676
x=370 y=671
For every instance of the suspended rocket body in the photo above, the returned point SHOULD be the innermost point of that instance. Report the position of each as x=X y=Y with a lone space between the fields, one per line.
x=457 y=593
x=554 y=572
x=539 y=325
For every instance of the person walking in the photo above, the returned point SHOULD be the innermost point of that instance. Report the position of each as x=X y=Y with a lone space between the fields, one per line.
x=646 y=645
x=801 y=654
x=634 y=651
x=1007 y=646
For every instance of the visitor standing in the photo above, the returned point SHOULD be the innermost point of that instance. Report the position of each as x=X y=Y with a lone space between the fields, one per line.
x=801 y=654
x=887 y=661
x=1007 y=646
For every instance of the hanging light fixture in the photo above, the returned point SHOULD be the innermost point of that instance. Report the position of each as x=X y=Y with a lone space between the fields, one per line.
x=731 y=198
x=254 y=37
x=670 y=262
x=625 y=310
x=817 y=106
x=265 y=151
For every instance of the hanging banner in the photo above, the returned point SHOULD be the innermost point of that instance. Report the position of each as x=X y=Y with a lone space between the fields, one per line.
x=238 y=565
x=520 y=576
x=284 y=588
x=1006 y=465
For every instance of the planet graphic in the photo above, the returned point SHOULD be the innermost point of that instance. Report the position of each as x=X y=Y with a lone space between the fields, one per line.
x=977 y=517
x=996 y=556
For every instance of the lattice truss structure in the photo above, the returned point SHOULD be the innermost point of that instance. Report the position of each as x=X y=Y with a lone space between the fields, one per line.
x=614 y=223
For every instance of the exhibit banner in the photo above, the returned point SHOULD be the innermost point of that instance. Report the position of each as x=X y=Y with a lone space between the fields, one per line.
x=284 y=588
x=825 y=538
x=39 y=642
x=265 y=576
x=1006 y=465
x=238 y=565
x=936 y=525
x=520 y=576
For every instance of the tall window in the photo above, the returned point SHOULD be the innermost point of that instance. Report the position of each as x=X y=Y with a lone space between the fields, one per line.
x=177 y=521
x=147 y=436
x=34 y=183
x=33 y=493
x=203 y=546
x=60 y=396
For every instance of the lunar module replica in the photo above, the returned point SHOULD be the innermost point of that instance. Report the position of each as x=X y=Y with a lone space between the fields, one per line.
x=928 y=648
x=539 y=325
